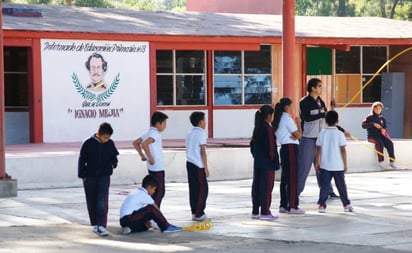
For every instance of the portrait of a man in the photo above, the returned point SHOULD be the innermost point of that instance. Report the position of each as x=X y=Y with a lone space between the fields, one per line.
x=96 y=66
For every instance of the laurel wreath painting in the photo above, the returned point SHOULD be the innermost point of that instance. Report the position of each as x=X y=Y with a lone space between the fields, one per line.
x=90 y=95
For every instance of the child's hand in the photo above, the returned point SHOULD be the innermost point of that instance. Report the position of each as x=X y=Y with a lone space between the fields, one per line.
x=298 y=120
x=207 y=172
x=345 y=169
x=317 y=167
x=377 y=125
x=151 y=161
x=143 y=158
x=148 y=224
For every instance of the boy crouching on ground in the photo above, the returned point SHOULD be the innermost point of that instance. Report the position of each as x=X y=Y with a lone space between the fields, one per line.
x=138 y=209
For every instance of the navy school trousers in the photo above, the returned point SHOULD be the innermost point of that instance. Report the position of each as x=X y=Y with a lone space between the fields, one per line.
x=288 y=181
x=198 y=189
x=97 y=198
x=136 y=221
x=262 y=187
x=160 y=190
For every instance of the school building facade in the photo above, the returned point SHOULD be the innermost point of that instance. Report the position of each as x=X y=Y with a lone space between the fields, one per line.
x=226 y=65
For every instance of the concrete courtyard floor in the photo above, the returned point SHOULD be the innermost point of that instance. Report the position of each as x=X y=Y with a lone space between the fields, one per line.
x=55 y=220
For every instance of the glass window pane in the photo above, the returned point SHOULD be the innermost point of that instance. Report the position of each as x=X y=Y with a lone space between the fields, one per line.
x=227 y=62
x=190 y=62
x=165 y=90
x=348 y=62
x=15 y=59
x=372 y=92
x=258 y=90
x=164 y=61
x=258 y=62
x=16 y=90
x=373 y=59
x=190 y=90
x=227 y=90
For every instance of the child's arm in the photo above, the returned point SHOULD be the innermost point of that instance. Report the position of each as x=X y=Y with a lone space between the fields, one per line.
x=145 y=146
x=138 y=146
x=317 y=159
x=345 y=164
x=204 y=159
x=298 y=133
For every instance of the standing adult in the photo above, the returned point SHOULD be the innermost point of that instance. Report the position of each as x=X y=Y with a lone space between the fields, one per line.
x=312 y=111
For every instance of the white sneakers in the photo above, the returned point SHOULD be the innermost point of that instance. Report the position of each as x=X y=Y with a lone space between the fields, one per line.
x=100 y=230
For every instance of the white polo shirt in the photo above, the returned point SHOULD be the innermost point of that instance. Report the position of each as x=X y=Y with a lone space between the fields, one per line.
x=194 y=140
x=134 y=201
x=285 y=129
x=331 y=140
x=156 y=148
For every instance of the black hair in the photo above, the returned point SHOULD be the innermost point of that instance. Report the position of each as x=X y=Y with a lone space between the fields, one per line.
x=150 y=180
x=312 y=83
x=196 y=117
x=260 y=118
x=331 y=118
x=158 y=117
x=96 y=55
x=105 y=128
x=279 y=109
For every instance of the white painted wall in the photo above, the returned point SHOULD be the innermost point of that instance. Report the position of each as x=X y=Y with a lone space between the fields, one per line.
x=59 y=169
x=233 y=123
x=351 y=119
x=239 y=123
x=178 y=124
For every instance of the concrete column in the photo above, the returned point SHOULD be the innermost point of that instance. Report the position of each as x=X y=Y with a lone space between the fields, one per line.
x=288 y=48
x=8 y=187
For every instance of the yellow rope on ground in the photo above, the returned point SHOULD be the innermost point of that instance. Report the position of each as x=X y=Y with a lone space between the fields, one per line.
x=204 y=225
x=363 y=87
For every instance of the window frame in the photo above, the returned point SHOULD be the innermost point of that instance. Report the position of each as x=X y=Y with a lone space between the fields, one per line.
x=243 y=76
x=363 y=76
x=174 y=74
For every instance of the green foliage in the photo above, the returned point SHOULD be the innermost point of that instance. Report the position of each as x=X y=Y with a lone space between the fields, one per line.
x=397 y=9
x=147 y=5
x=39 y=1
x=93 y=3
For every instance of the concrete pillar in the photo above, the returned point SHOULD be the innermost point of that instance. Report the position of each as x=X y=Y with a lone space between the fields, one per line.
x=288 y=48
x=8 y=187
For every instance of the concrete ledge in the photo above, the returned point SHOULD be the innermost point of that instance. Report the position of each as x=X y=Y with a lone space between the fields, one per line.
x=8 y=188
x=59 y=169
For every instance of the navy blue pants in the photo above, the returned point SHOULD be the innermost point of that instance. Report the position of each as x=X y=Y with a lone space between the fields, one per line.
x=137 y=220
x=307 y=152
x=288 y=180
x=97 y=199
x=198 y=189
x=325 y=177
x=380 y=143
x=262 y=187
x=160 y=190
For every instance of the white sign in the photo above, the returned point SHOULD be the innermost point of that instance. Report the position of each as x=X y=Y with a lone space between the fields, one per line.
x=86 y=83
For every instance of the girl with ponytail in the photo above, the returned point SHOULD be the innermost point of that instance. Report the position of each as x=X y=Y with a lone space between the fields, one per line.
x=288 y=132
x=266 y=161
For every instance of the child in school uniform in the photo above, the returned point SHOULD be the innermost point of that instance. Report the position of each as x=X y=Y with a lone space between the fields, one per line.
x=288 y=133
x=97 y=159
x=265 y=162
x=138 y=209
x=376 y=127
x=197 y=167
x=151 y=144
x=331 y=162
